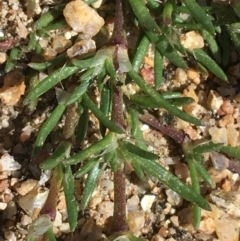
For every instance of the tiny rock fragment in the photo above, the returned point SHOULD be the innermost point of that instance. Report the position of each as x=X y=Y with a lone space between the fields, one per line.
x=60 y=43
x=106 y=209
x=26 y=186
x=207 y=225
x=227 y=229
x=192 y=40
x=229 y=201
x=132 y=203
x=148 y=75
x=194 y=109
x=13 y=88
x=10 y=236
x=147 y=202
x=90 y=231
x=82 y=18
x=4 y=184
x=65 y=228
x=190 y=92
x=173 y=198
x=232 y=136
x=3 y=205
x=10 y=211
x=7 y=163
x=3 y=57
x=192 y=74
x=214 y=100
x=97 y=4
x=181 y=76
x=33 y=201
x=219 y=135
x=21 y=29
x=26 y=220
x=227 y=107
x=81 y=48
x=136 y=221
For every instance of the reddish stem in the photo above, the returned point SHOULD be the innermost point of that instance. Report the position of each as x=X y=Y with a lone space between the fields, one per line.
x=119 y=223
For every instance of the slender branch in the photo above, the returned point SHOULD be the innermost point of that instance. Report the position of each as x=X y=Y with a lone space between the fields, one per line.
x=119 y=223
x=119 y=35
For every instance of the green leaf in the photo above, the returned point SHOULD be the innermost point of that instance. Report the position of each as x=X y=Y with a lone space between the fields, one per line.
x=47 y=127
x=144 y=17
x=161 y=101
x=199 y=14
x=90 y=184
x=231 y=151
x=50 y=234
x=87 y=167
x=109 y=141
x=138 y=151
x=209 y=147
x=69 y=192
x=209 y=63
x=166 y=177
x=58 y=155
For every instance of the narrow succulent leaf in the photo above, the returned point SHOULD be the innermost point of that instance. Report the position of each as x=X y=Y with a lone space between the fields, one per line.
x=212 y=44
x=233 y=30
x=47 y=127
x=111 y=158
x=173 y=182
x=82 y=88
x=47 y=18
x=207 y=147
x=146 y=101
x=69 y=192
x=199 y=15
x=86 y=168
x=11 y=62
x=136 y=129
x=108 y=141
x=110 y=67
x=105 y=104
x=167 y=13
x=161 y=101
x=202 y=171
x=50 y=81
x=101 y=117
x=50 y=235
x=138 y=151
x=144 y=17
x=158 y=69
x=133 y=159
x=133 y=238
x=82 y=125
x=231 y=151
x=141 y=52
x=163 y=46
x=195 y=187
x=58 y=155
x=209 y=63
x=51 y=63
x=90 y=184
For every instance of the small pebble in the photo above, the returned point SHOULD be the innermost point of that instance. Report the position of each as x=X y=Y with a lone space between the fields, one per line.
x=83 y=18
x=214 y=100
x=136 y=221
x=10 y=236
x=26 y=186
x=173 y=198
x=25 y=220
x=147 y=202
